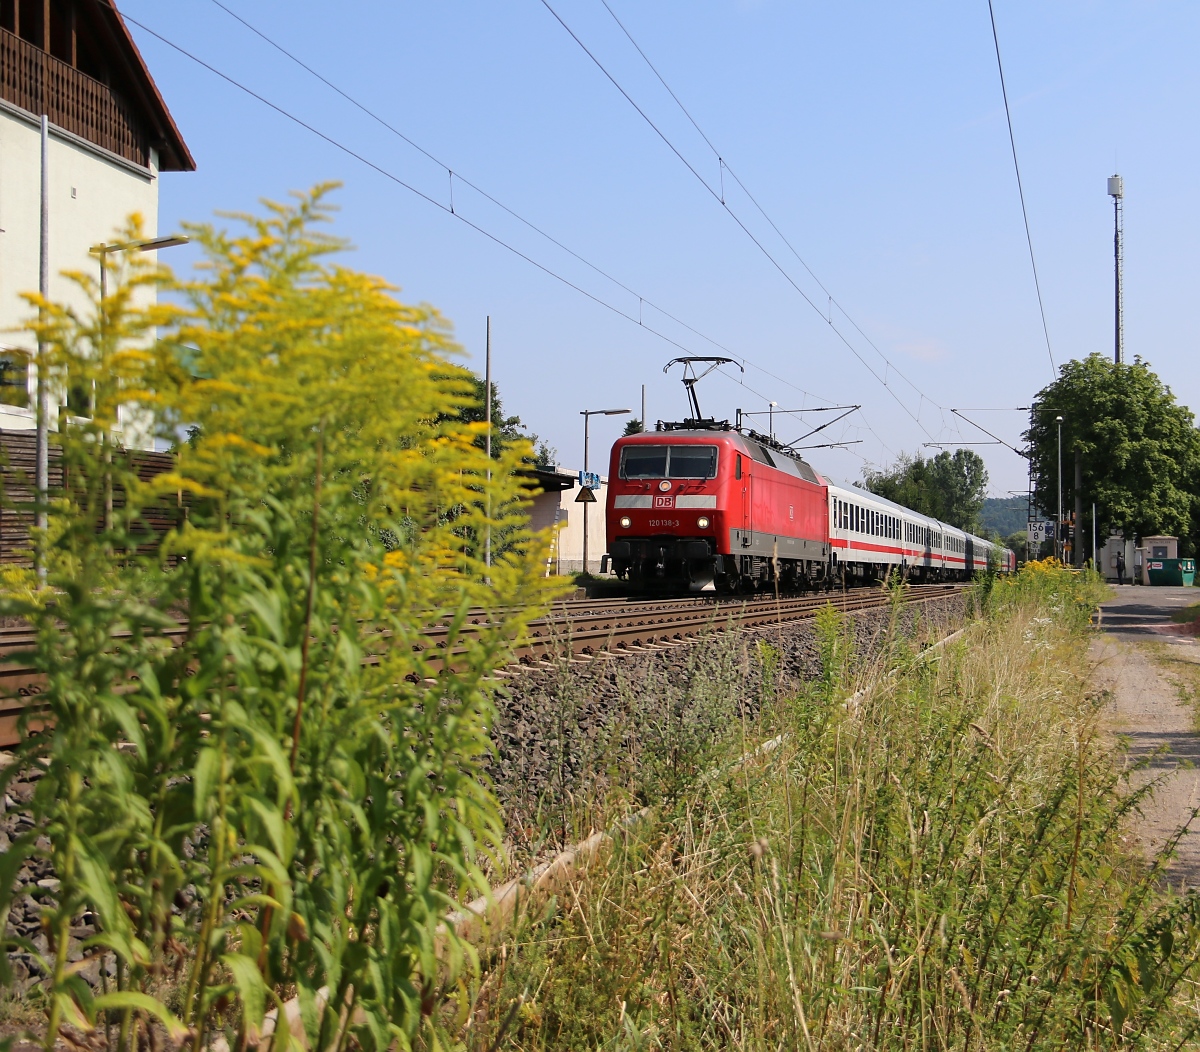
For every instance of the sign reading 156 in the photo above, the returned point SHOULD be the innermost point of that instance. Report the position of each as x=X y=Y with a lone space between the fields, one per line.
x=1040 y=531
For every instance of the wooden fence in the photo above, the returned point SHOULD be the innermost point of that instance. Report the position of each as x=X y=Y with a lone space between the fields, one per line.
x=17 y=462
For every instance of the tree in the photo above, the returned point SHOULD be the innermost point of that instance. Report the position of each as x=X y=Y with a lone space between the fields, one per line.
x=1140 y=449
x=507 y=431
x=1005 y=515
x=634 y=427
x=1018 y=541
x=949 y=487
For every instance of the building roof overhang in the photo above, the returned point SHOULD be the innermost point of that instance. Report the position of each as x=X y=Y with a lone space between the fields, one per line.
x=173 y=154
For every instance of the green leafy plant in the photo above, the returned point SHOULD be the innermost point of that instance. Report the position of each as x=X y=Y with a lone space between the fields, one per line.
x=284 y=792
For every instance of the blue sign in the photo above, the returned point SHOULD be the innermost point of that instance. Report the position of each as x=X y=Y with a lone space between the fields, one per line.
x=589 y=480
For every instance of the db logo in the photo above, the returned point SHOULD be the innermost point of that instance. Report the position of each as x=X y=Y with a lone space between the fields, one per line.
x=664 y=502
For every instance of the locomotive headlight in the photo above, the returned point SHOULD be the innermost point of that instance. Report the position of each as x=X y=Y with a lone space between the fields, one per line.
x=702 y=522
x=626 y=521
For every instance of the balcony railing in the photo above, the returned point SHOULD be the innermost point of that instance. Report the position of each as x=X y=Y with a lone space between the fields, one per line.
x=40 y=83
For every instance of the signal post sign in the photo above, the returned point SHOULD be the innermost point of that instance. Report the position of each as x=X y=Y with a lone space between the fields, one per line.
x=589 y=482
x=1039 y=532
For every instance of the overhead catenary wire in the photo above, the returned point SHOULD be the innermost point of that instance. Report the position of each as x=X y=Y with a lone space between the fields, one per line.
x=457 y=214
x=724 y=166
x=453 y=174
x=719 y=197
x=865 y=426
x=1012 y=141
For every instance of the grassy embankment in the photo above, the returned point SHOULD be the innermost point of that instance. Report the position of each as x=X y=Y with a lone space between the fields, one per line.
x=1187 y=614
x=932 y=857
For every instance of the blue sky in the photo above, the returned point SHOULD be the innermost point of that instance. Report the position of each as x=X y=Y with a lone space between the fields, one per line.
x=872 y=134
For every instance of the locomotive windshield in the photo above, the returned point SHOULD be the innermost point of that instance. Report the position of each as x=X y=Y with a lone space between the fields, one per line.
x=669 y=462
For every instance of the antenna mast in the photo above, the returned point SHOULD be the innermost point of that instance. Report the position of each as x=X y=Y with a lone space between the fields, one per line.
x=1116 y=190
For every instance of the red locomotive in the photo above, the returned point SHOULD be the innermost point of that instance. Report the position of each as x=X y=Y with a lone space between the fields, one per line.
x=700 y=505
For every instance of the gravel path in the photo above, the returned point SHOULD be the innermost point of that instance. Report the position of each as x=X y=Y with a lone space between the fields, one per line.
x=1149 y=665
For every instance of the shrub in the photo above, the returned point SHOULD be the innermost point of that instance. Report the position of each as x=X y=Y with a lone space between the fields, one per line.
x=288 y=795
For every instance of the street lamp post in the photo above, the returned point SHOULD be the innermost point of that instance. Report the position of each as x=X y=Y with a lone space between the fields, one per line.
x=587 y=414
x=1058 y=524
x=146 y=245
x=151 y=244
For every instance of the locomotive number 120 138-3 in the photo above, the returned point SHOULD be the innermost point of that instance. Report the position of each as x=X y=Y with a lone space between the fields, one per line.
x=664 y=522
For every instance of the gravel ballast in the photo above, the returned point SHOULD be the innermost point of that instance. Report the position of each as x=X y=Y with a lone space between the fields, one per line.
x=568 y=731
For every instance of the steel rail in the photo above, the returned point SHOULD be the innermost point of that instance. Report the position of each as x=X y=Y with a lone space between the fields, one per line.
x=580 y=628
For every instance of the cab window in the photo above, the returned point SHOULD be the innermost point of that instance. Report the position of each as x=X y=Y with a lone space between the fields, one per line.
x=644 y=462
x=691 y=462
x=669 y=462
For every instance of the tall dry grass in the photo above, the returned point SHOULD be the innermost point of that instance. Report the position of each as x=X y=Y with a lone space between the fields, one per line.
x=931 y=858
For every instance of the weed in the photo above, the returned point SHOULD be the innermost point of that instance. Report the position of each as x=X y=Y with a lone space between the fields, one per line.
x=289 y=798
x=937 y=866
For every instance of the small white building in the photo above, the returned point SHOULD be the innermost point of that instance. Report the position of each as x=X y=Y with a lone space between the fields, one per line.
x=110 y=137
x=556 y=506
x=1107 y=562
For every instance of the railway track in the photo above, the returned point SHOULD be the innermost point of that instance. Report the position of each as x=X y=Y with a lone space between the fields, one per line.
x=583 y=628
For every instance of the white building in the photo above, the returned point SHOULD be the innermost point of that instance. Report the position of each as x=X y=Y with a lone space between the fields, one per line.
x=556 y=506
x=110 y=136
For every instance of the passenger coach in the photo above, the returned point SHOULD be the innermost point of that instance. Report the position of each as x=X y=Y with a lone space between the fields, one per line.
x=871 y=536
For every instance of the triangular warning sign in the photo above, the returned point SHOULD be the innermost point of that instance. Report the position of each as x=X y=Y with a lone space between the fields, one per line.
x=586 y=496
